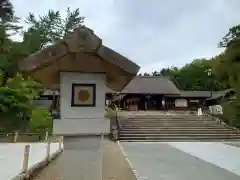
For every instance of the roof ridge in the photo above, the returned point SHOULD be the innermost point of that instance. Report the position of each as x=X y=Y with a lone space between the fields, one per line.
x=153 y=77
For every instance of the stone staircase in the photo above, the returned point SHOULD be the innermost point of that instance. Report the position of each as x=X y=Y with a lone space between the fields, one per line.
x=174 y=128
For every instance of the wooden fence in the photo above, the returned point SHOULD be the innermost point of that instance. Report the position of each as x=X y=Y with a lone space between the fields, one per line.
x=27 y=137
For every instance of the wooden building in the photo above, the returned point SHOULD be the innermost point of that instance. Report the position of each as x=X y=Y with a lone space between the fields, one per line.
x=157 y=93
x=146 y=93
x=187 y=100
x=154 y=93
x=218 y=97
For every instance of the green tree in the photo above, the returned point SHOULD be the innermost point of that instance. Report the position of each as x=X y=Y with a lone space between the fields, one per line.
x=233 y=33
x=196 y=75
x=18 y=91
x=16 y=97
x=6 y=10
x=227 y=67
x=51 y=27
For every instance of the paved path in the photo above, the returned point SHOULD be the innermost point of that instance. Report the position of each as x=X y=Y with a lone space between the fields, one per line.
x=115 y=166
x=171 y=161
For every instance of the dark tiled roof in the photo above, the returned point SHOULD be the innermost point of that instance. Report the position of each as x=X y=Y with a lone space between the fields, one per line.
x=193 y=94
x=218 y=94
x=199 y=94
x=151 y=85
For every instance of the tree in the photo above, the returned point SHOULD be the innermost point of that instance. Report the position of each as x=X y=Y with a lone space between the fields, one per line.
x=17 y=90
x=6 y=10
x=227 y=67
x=17 y=97
x=233 y=33
x=196 y=75
x=50 y=28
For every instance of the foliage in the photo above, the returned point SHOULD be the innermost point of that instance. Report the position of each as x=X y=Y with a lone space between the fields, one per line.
x=233 y=33
x=17 y=90
x=227 y=67
x=196 y=75
x=110 y=113
x=50 y=28
x=6 y=10
x=40 y=120
x=16 y=98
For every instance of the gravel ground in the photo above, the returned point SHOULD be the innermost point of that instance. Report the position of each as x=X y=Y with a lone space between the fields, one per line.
x=155 y=161
x=115 y=167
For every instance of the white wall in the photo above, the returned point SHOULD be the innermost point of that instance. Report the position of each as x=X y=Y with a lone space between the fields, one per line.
x=81 y=120
x=66 y=81
x=181 y=103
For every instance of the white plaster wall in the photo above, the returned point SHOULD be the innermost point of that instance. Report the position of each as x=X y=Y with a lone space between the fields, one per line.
x=181 y=103
x=81 y=120
x=66 y=80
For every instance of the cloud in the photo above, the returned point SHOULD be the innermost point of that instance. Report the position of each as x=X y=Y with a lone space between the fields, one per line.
x=154 y=34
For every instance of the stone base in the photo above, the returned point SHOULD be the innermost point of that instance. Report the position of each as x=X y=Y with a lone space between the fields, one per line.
x=82 y=158
x=75 y=127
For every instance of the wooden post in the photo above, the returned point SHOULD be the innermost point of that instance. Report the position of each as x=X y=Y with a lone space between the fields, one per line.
x=145 y=104
x=16 y=137
x=46 y=136
x=25 y=158
x=48 y=150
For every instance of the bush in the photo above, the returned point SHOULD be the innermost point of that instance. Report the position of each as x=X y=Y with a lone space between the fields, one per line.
x=40 y=120
x=110 y=113
x=229 y=111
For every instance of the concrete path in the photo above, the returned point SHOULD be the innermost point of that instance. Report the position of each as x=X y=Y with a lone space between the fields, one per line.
x=115 y=167
x=155 y=161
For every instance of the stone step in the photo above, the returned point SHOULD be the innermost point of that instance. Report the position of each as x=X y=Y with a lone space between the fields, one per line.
x=159 y=122
x=189 y=131
x=167 y=116
x=182 y=135
x=172 y=125
x=156 y=120
x=181 y=138
x=176 y=130
x=213 y=126
x=167 y=123
x=172 y=121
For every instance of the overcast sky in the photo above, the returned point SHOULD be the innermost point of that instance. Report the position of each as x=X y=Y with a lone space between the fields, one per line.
x=152 y=33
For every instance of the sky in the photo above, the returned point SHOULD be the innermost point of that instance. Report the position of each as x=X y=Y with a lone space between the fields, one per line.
x=155 y=34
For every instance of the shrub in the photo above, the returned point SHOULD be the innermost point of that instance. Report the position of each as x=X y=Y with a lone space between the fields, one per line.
x=40 y=120
x=110 y=113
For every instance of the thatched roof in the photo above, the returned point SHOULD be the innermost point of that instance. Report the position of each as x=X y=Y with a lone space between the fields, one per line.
x=81 y=40
x=151 y=85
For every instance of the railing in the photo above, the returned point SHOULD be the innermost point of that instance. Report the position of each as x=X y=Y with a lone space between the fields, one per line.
x=27 y=137
x=31 y=156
